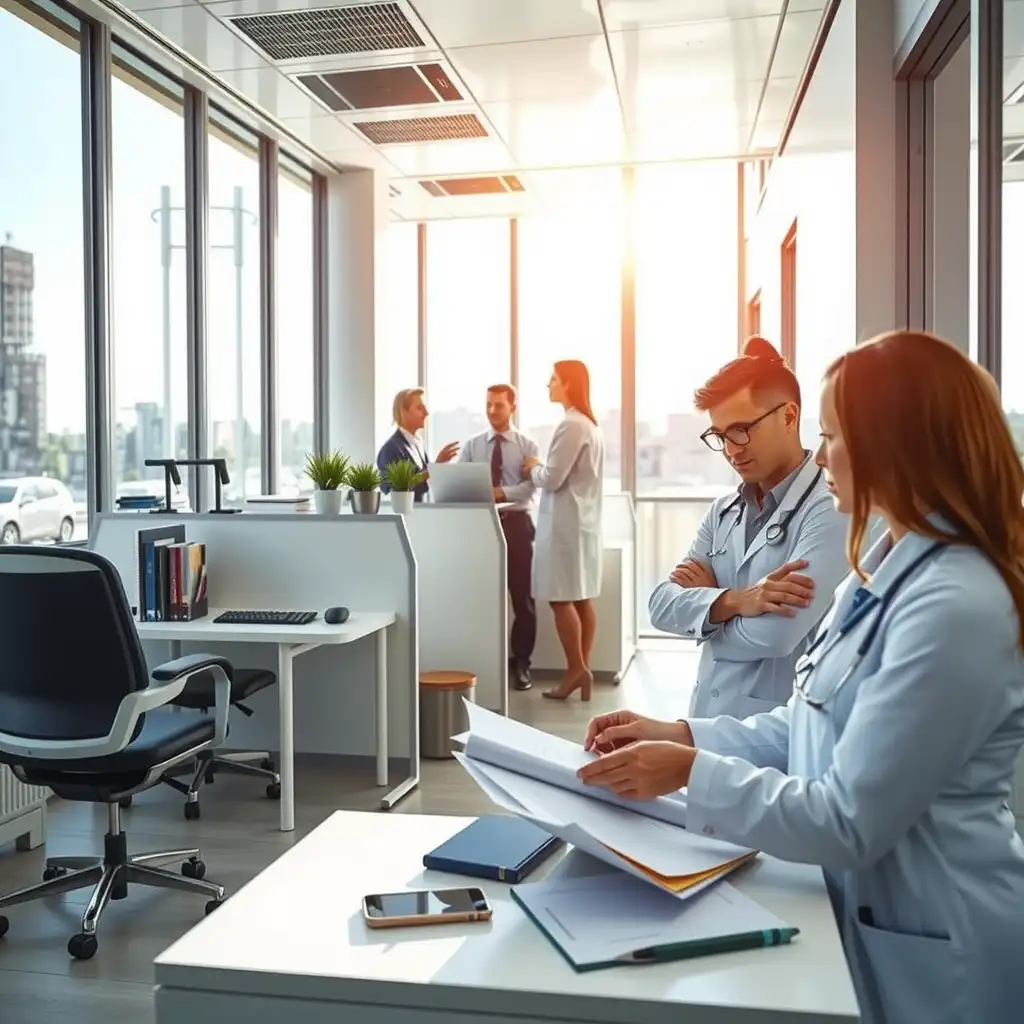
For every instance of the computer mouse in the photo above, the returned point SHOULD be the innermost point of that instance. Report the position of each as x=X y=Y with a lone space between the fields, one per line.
x=336 y=616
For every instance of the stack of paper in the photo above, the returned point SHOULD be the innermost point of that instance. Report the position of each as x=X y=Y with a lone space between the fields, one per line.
x=533 y=774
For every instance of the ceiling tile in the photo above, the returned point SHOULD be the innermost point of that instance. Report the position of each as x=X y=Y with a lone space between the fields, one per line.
x=457 y=23
x=778 y=98
x=149 y=5
x=465 y=156
x=551 y=134
x=629 y=14
x=203 y=37
x=795 y=42
x=575 y=68
x=269 y=89
x=701 y=133
x=324 y=133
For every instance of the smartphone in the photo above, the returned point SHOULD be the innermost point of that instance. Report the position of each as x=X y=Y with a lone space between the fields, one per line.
x=426 y=906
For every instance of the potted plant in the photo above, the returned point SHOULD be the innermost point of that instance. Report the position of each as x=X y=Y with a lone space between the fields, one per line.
x=404 y=478
x=364 y=479
x=328 y=472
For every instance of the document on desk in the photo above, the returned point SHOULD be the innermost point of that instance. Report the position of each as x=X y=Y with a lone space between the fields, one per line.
x=505 y=743
x=608 y=919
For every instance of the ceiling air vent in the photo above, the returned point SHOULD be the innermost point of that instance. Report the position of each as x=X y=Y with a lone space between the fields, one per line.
x=423 y=129
x=329 y=31
x=473 y=186
x=1013 y=152
x=376 y=88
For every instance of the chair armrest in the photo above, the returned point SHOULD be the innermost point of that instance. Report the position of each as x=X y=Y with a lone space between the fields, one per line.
x=168 y=681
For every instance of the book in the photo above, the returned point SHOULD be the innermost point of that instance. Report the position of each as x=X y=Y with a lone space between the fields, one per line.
x=171 y=576
x=496 y=846
x=610 y=919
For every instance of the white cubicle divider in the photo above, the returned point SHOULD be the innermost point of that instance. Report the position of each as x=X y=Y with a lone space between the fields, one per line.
x=615 y=642
x=463 y=619
x=303 y=562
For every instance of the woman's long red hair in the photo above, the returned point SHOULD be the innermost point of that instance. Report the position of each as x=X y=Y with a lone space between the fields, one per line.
x=925 y=433
x=575 y=378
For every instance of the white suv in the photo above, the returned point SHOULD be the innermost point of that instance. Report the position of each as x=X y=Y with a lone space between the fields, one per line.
x=35 y=508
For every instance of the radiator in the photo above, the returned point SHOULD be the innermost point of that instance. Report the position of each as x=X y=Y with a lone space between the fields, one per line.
x=16 y=798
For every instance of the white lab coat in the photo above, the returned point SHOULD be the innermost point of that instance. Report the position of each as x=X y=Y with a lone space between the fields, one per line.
x=568 y=550
x=746 y=664
x=898 y=788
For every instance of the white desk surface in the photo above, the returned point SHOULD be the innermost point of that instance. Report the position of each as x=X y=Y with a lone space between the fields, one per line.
x=359 y=624
x=296 y=933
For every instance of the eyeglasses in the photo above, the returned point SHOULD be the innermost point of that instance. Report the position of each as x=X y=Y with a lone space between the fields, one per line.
x=738 y=433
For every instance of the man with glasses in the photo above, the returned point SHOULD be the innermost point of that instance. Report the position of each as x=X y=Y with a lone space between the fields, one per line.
x=759 y=577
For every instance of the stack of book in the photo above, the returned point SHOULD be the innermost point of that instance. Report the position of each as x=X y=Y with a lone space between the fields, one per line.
x=172 y=581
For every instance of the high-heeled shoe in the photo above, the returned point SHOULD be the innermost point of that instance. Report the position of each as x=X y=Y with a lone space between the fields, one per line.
x=583 y=681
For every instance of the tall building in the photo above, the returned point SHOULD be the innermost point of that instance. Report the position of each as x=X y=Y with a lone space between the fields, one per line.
x=22 y=371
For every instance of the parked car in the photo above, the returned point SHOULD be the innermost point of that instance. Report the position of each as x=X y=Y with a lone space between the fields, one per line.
x=35 y=508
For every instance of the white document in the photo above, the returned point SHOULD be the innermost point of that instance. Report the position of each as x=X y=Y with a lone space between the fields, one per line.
x=597 y=919
x=506 y=743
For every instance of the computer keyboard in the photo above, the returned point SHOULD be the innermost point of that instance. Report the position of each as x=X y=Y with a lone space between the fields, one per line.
x=249 y=618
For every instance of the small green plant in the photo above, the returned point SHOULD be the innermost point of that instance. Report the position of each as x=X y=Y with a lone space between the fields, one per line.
x=327 y=470
x=404 y=476
x=363 y=476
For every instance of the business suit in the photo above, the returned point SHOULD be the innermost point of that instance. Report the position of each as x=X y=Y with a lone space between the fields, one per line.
x=746 y=664
x=398 y=447
x=506 y=462
x=898 y=786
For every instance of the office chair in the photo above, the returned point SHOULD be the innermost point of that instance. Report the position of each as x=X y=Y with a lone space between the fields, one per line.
x=78 y=714
x=199 y=695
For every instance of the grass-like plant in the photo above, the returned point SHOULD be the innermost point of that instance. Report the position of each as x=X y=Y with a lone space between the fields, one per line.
x=363 y=476
x=404 y=476
x=327 y=470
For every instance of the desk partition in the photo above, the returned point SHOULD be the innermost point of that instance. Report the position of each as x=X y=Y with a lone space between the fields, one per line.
x=303 y=562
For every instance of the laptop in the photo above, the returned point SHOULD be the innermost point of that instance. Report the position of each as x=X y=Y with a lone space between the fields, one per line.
x=466 y=483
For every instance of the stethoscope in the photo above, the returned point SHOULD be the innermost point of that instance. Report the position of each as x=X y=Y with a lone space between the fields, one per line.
x=776 y=532
x=804 y=671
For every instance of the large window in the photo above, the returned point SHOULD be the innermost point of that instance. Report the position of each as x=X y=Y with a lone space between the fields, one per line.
x=686 y=302
x=294 y=325
x=234 y=352
x=570 y=282
x=42 y=316
x=468 y=324
x=149 y=303
x=398 y=321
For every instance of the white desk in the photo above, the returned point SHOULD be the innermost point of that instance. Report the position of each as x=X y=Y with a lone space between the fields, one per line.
x=292 y=946
x=291 y=641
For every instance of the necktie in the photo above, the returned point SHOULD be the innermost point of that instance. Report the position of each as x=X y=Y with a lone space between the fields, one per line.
x=496 y=461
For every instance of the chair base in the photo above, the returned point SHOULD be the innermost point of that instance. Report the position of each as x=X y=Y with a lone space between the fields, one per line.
x=209 y=763
x=110 y=878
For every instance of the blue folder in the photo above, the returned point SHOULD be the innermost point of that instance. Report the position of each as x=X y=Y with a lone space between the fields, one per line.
x=496 y=846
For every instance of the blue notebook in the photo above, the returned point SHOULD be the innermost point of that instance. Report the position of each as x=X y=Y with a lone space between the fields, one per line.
x=496 y=846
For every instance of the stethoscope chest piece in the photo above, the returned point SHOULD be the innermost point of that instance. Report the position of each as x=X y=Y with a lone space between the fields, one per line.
x=775 y=534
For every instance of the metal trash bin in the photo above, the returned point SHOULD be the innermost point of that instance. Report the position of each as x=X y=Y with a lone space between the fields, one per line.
x=442 y=713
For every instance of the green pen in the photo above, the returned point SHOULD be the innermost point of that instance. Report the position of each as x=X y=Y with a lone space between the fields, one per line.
x=707 y=947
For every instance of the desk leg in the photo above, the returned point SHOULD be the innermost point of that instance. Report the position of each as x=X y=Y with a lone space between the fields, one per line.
x=381 y=638
x=286 y=739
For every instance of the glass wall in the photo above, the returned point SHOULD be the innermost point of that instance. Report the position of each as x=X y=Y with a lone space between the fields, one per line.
x=467 y=324
x=43 y=450
x=295 y=386
x=149 y=352
x=570 y=284
x=233 y=306
x=1012 y=348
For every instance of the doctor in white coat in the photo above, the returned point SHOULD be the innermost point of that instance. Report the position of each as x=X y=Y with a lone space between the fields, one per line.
x=891 y=766
x=760 y=574
x=568 y=549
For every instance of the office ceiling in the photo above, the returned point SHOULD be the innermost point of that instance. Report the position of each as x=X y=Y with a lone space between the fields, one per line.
x=475 y=107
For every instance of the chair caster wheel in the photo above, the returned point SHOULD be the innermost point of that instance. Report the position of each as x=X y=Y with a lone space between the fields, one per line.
x=209 y=776
x=267 y=764
x=192 y=811
x=125 y=802
x=4 y=925
x=212 y=906
x=82 y=946
x=193 y=868
x=53 y=872
x=274 y=790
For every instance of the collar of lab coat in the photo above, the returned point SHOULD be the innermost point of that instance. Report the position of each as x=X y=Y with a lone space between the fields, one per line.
x=885 y=561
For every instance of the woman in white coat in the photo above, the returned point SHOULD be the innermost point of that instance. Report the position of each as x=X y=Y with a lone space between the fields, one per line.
x=891 y=766
x=568 y=552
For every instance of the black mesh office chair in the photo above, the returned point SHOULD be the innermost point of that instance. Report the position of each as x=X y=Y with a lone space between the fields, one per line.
x=78 y=714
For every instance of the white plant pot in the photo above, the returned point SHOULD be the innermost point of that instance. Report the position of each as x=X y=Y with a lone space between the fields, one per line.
x=327 y=503
x=403 y=501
